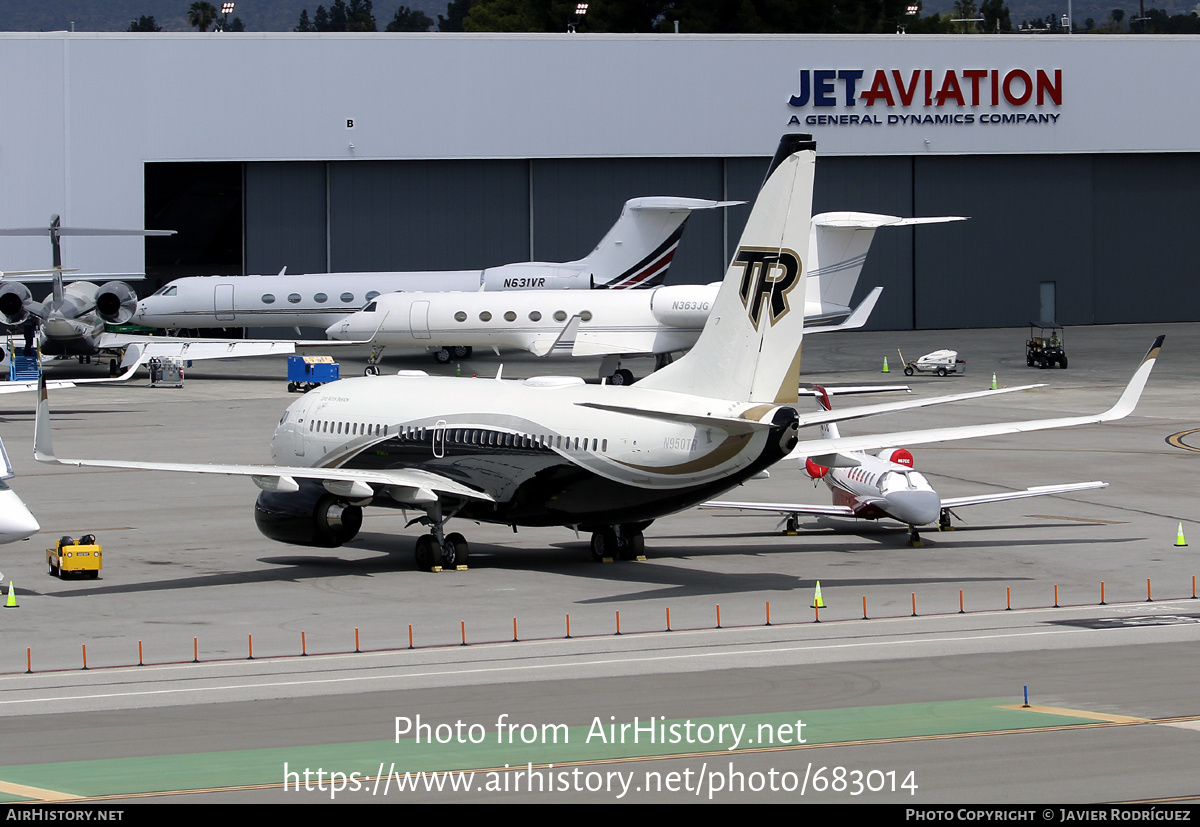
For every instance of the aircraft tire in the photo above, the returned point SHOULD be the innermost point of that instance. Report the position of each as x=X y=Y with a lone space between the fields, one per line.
x=461 y=352
x=634 y=545
x=442 y=356
x=454 y=552
x=372 y=370
x=604 y=544
x=424 y=552
x=621 y=377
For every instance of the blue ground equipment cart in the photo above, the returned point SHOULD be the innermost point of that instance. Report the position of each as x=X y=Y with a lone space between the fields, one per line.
x=307 y=372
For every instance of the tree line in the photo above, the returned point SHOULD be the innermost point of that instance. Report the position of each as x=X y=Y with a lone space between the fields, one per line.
x=694 y=17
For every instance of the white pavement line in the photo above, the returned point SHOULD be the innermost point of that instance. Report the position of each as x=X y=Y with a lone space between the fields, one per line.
x=758 y=652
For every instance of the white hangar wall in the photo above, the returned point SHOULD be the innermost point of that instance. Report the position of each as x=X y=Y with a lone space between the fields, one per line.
x=1075 y=156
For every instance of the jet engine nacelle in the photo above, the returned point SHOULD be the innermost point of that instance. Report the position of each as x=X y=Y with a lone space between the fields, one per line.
x=683 y=305
x=535 y=277
x=308 y=517
x=900 y=456
x=116 y=302
x=16 y=303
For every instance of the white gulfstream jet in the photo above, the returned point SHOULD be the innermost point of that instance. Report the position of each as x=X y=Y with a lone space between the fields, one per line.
x=635 y=252
x=658 y=322
x=554 y=451
x=16 y=523
x=873 y=487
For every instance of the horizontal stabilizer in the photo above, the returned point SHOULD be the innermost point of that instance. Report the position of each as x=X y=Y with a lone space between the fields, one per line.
x=1123 y=407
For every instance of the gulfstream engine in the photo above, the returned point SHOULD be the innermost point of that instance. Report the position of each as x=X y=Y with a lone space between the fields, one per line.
x=533 y=277
x=15 y=302
x=116 y=302
x=683 y=305
x=308 y=517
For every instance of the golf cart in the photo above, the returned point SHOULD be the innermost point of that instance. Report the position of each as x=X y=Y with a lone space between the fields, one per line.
x=1046 y=348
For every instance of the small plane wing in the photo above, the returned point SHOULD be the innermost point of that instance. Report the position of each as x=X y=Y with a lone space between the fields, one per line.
x=1123 y=407
x=1036 y=491
x=856 y=319
x=405 y=485
x=783 y=508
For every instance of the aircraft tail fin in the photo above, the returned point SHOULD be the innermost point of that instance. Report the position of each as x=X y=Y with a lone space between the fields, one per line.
x=638 y=249
x=749 y=349
x=839 y=243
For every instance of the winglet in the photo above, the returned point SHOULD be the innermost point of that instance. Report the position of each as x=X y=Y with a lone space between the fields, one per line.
x=570 y=330
x=857 y=318
x=43 y=448
x=1133 y=391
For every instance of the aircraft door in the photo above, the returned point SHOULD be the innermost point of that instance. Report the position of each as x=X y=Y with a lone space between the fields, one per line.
x=439 y=437
x=418 y=320
x=223 y=302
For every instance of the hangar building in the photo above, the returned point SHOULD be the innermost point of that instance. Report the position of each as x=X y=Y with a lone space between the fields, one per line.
x=1076 y=157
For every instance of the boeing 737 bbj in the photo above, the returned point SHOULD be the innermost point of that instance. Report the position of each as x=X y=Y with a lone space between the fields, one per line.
x=554 y=451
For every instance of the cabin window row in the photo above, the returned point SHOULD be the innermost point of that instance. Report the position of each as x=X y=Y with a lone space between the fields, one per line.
x=534 y=316
x=319 y=298
x=463 y=436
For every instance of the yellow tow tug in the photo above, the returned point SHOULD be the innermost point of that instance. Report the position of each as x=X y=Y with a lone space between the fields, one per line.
x=81 y=557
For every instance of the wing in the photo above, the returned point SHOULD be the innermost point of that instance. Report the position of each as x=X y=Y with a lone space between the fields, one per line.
x=405 y=485
x=1036 y=491
x=783 y=508
x=1123 y=407
x=140 y=349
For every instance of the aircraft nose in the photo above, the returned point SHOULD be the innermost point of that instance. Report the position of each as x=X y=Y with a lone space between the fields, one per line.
x=915 y=507
x=16 y=523
x=339 y=330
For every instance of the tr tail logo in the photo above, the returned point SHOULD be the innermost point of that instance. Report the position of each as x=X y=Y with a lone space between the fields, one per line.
x=768 y=276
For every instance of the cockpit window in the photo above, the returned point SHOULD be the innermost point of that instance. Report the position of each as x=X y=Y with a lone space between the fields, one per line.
x=370 y=308
x=168 y=290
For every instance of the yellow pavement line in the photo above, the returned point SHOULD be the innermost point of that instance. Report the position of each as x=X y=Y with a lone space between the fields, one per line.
x=37 y=792
x=1082 y=713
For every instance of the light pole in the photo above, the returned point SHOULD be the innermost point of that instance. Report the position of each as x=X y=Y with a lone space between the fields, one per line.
x=226 y=10
x=580 y=12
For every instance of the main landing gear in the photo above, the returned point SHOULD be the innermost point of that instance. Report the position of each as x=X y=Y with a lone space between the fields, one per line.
x=438 y=549
x=620 y=542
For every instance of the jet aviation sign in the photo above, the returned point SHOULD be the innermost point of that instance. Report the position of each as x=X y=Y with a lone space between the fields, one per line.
x=928 y=97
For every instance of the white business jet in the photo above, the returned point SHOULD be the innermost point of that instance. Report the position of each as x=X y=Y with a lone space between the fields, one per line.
x=635 y=252
x=16 y=523
x=554 y=451
x=873 y=487
x=622 y=324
